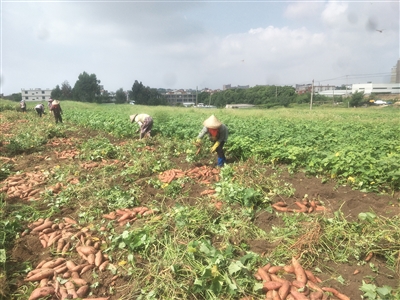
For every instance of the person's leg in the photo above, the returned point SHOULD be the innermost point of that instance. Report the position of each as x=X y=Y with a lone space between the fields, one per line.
x=221 y=155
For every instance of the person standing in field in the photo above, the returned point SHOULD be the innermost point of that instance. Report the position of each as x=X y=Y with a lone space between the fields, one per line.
x=145 y=122
x=218 y=134
x=22 y=104
x=57 y=111
x=49 y=102
x=39 y=109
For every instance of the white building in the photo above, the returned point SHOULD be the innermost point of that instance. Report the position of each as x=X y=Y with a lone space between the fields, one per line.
x=36 y=94
x=376 y=88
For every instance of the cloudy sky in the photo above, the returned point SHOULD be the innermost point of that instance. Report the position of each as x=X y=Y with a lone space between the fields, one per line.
x=197 y=44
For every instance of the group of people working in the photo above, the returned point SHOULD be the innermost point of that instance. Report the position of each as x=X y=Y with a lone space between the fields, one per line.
x=53 y=105
x=216 y=131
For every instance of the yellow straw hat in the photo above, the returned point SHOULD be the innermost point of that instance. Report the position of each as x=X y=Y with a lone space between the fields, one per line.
x=132 y=117
x=212 y=122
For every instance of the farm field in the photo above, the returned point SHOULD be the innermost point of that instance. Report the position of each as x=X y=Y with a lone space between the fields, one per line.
x=124 y=218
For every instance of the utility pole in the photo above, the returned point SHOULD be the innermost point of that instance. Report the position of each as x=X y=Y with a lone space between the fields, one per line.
x=312 y=93
x=196 y=95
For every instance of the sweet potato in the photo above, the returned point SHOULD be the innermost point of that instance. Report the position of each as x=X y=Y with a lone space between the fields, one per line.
x=41 y=292
x=98 y=259
x=91 y=259
x=299 y=271
x=36 y=223
x=271 y=285
x=284 y=290
x=314 y=286
x=104 y=265
x=296 y=294
x=274 y=269
x=86 y=268
x=65 y=249
x=280 y=208
x=289 y=269
x=86 y=250
x=71 y=289
x=264 y=275
x=78 y=281
x=310 y=276
x=83 y=291
x=53 y=263
x=44 y=273
x=266 y=267
x=316 y=295
x=125 y=216
x=69 y=220
x=46 y=224
x=369 y=256
x=336 y=293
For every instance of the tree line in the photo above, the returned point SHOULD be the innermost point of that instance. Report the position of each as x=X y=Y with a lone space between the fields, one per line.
x=88 y=89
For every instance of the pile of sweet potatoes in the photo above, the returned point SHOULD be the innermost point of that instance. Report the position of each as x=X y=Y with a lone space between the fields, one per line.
x=203 y=174
x=60 y=277
x=303 y=284
x=304 y=206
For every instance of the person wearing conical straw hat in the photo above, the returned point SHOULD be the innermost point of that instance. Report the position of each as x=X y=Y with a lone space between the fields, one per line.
x=218 y=134
x=145 y=122
x=57 y=111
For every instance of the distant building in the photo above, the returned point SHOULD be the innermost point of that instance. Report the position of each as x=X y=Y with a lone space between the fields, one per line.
x=229 y=87
x=180 y=97
x=376 y=88
x=395 y=74
x=306 y=88
x=36 y=94
x=239 y=106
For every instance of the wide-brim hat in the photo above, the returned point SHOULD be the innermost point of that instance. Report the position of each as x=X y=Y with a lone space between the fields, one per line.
x=212 y=122
x=56 y=102
x=132 y=117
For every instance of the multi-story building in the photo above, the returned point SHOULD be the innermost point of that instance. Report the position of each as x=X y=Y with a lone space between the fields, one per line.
x=180 y=97
x=376 y=88
x=395 y=74
x=36 y=94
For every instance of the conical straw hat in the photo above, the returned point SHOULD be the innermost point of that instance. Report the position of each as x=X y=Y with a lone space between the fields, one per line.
x=132 y=117
x=55 y=102
x=212 y=122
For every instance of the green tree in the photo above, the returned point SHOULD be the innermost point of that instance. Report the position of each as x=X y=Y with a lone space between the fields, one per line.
x=66 y=91
x=357 y=99
x=87 y=88
x=120 y=96
x=56 y=92
x=145 y=95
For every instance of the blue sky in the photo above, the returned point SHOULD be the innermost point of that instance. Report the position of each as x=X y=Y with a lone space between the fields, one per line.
x=204 y=44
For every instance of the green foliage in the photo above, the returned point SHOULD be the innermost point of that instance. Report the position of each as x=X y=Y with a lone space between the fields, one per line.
x=120 y=96
x=87 y=88
x=371 y=291
x=98 y=149
x=357 y=99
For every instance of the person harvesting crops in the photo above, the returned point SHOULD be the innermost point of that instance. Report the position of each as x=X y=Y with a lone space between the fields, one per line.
x=39 y=109
x=218 y=134
x=22 y=104
x=57 y=111
x=145 y=122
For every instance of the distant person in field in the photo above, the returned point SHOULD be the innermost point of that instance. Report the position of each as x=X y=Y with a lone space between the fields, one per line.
x=218 y=134
x=39 y=109
x=145 y=122
x=22 y=104
x=49 y=102
x=57 y=111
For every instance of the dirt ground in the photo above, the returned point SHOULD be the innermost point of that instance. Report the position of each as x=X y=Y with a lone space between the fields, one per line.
x=351 y=203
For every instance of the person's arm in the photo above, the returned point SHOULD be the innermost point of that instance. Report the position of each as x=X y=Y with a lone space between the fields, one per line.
x=202 y=133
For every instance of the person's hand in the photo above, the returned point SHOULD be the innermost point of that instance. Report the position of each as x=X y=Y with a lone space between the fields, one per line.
x=198 y=142
x=214 y=147
x=137 y=131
